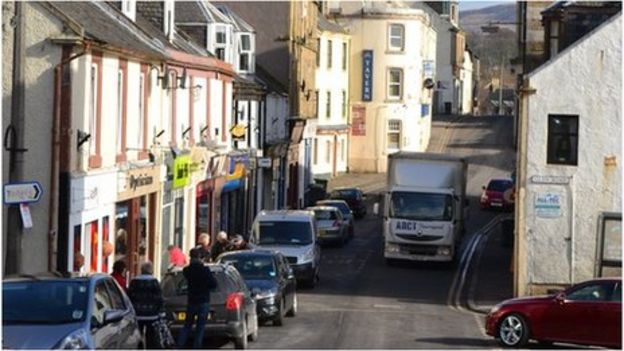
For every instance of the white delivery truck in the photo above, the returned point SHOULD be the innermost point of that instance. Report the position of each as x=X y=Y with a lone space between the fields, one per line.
x=424 y=207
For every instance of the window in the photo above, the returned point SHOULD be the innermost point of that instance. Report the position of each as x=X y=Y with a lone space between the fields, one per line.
x=141 y=110
x=394 y=134
x=329 y=54
x=396 y=37
x=120 y=127
x=593 y=292
x=554 y=38
x=345 y=55
x=115 y=295
x=328 y=151
x=318 y=103
x=562 y=139
x=318 y=52
x=101 y=302
x=344 y=104
x=395 y=84
x=221 y=37
x=328 y=105
x=220 y=53
x=93 y=110
x=244 y=62
x=315 y=157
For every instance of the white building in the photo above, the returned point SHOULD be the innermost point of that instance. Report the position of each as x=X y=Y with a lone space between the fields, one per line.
x=330 y=129
x=569 y=201
x=392 y=58
x=466 y=80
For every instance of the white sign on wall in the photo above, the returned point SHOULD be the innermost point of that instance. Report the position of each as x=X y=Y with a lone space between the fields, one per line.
x=548 y=205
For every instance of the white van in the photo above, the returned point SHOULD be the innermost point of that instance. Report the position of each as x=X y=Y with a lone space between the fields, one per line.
x=294 y=234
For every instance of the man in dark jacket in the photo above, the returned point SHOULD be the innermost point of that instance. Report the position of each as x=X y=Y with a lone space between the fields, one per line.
x=200 y=283
x=146 y=296
x=203 y=247
x=219 y=247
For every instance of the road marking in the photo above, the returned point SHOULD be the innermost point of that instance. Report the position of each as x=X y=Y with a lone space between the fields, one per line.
x=387 y=306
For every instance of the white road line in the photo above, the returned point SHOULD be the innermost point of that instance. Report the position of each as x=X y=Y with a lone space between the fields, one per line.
x=387 y=306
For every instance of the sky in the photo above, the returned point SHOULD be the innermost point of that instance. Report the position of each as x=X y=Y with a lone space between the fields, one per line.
x=465 y=5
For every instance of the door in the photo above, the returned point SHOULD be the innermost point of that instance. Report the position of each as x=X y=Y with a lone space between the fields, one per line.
x=127 y=326
x=104 y=336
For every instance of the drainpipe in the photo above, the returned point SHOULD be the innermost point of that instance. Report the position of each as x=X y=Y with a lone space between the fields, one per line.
x=56 y=143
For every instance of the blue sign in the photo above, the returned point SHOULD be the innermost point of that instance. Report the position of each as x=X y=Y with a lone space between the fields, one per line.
x=424 y=110
x=367 y=75
x=22 y=192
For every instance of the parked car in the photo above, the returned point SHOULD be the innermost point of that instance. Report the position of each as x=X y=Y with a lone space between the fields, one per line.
x=354 y=198
x=294 y=234
x=499 y=193
x=331 y=224
x=67 y=311
x=347 y=214
x=271 y=282
x=232 y=312
x=589 y=313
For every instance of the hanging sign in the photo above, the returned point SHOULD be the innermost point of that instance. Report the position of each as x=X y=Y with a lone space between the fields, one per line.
x=367 y=75
x=181 y=171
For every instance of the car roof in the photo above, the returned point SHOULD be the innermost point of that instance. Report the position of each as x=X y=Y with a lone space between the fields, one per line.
x=323 y=208
x=285 y=215
x=54 y=276
x=253 y=252
x=322 y=202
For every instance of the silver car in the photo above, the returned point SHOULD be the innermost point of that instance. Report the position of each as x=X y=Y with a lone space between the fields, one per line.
x=331 y=224
x=346 y=212
x=71 y=311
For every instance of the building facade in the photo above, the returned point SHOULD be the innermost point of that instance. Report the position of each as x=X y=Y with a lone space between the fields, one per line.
x=569 y=202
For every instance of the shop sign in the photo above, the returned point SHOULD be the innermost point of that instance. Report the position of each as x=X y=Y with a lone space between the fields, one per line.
x=264 y=162
x=238 y=167
x=367 y=75
x=238 y=132
x=358 y=121
x=428 y=67
x=138 y=182
x=217 y=167
x=181 y=171
x=548 y=205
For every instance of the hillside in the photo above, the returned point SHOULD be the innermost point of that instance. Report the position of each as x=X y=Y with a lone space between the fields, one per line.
x=472 y=20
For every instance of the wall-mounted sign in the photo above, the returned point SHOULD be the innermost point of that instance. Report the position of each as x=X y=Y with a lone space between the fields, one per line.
x=137 y=182
x=548 y=205
x=367 y=75
x=238 y=132
x=424 y=110
x=181 y=171
x=539 y=179
x=428 y=69
x=264 y=162
x=25 y=192
x=358 y=121
x=238 y=167
x=26 y=217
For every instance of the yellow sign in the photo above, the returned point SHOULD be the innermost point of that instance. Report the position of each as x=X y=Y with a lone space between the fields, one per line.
x=238 y=131
x=239 y=172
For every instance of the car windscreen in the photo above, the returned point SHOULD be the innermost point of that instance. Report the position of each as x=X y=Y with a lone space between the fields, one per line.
x=44 y=302
x=175 y=284
x=324 y=215
x=350 y=194
x=253 y=267
x=421 y=206
x=284 y=233
x=499 y=185
x=344 y=208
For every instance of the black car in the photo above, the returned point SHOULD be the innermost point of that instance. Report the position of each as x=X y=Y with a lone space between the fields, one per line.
x=271 y=281
x=354 y=198
x=232 y=312
x=67 y=310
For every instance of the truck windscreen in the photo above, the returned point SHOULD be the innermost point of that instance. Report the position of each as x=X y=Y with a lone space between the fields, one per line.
x=421 y=206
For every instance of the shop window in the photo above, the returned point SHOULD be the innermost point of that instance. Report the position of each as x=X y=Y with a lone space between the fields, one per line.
x=107 y=247
x=563 y=139
x=91 y=229
x=121 y=234
x=78 y=254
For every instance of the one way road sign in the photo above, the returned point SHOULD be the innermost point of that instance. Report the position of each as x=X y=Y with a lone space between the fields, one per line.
x=17 y=193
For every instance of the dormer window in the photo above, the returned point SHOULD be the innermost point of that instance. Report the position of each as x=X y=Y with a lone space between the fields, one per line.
x=168 y=20
x=220 y=41
x=245 y=53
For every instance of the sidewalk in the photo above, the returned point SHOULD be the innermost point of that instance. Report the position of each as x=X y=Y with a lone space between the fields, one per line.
x=491 y=280
x=367 y=182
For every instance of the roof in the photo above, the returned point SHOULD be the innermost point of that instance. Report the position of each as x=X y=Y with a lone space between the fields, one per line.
x=269 y=81
x=322 y=208
x=283 y=215
x=105 y=24
x=51 y=276
x=252 y=252
x=191 y=12
x=559 y=5
x=239 y=24
x=329 y=26
x=329 y=201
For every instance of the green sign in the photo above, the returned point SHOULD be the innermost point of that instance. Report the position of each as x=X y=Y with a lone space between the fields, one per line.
x=181 y=171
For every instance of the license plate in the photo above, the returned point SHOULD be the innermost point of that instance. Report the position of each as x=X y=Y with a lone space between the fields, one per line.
x=497 y=204
x=182 y=316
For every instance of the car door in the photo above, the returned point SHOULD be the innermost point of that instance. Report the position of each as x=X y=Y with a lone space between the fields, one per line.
x=104 y=336
x=128 y=327
x=286 y=281
x=612 y=313
x=575 y=316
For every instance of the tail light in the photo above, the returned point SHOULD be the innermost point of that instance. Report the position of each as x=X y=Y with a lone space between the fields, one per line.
x=234 y=301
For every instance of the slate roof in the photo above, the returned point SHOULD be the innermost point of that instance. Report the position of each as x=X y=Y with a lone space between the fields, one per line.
x=105 y=24
x=190 y=12
x=239 y=24
x=266 y=79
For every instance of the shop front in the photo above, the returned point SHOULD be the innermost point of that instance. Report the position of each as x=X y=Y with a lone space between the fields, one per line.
x=135 y=216
x=92 y=210
x=206 y=167
x=233 y=195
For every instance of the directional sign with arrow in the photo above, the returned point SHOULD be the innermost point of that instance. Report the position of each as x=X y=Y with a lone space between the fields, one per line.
x=18 y=193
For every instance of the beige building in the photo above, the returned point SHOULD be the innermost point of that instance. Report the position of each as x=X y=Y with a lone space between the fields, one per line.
x=392 y=60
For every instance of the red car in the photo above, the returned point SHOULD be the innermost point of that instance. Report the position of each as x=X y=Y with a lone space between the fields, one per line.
x=589 y=313
x=499 y=193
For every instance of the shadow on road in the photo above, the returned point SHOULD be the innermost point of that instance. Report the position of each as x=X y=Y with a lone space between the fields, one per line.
x=459 y=341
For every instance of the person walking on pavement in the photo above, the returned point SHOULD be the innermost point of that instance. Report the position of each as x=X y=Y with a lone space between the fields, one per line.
x=220 y=246
x=176 y=257
x=200 y=283
x=147 y=298
x=203 y=247
x=119 y=274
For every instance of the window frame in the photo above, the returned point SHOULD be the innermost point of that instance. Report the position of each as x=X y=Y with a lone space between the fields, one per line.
x=328 y=105
x=242 y=51
x=344 y=55
x=330 y=53
x=344 y=104
x=393 y=132
x=390 y=36
x=390 y=84
x=573 y=138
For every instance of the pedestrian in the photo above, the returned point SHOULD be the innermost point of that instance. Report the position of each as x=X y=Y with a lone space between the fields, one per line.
x=119 y=273
x=203 y=247
x=176 y=257
x=146 y=295
x=221 y=246
x=78 y=261
x=200 y=282
x=238 y=243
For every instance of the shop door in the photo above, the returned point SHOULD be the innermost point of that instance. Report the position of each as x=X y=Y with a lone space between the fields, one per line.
x=131 y=234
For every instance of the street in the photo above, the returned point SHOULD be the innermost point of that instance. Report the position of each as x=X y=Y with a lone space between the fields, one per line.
x=361 y=303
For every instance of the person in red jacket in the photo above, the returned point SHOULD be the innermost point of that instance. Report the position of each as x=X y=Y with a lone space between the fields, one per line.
x=119 y=273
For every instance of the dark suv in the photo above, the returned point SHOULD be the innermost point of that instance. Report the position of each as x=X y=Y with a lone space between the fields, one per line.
x=354 y=198
x=232 y=312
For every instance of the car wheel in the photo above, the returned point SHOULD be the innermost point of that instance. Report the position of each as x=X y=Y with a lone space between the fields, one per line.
x=241 y=342
x=254 y=335
x=513 y=331
x=293 y=310
x=278 y=320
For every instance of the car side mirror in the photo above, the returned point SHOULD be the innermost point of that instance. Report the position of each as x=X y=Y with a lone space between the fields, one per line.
x=376 y=209
x=113 y=316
